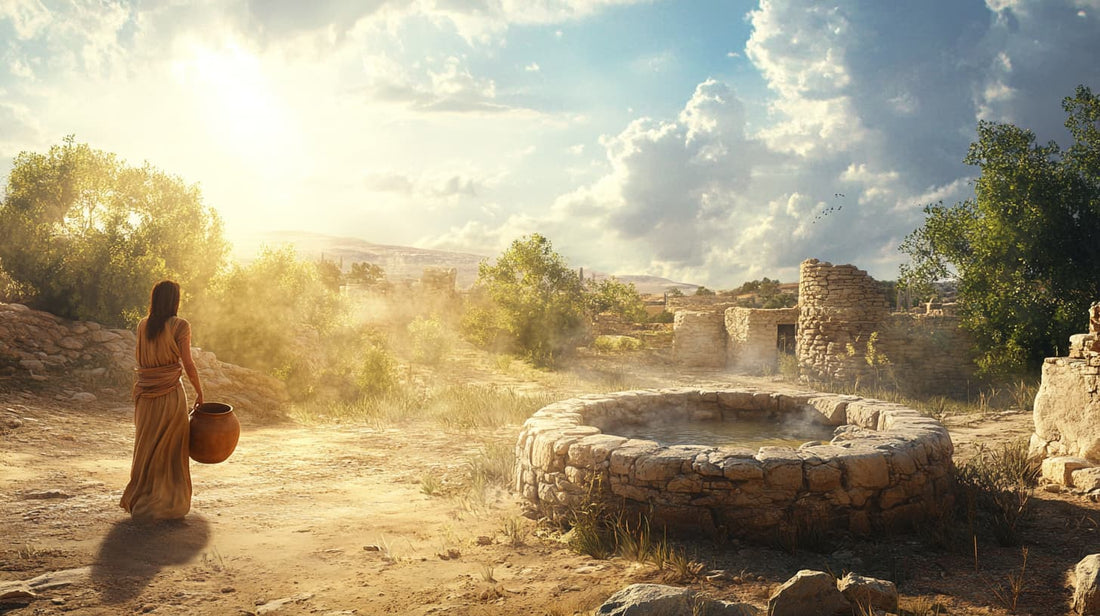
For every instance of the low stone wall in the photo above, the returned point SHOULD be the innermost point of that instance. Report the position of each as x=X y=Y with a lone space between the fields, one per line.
x=887 y=470
x=40 y=346
x=699 y=339
x=752 y=332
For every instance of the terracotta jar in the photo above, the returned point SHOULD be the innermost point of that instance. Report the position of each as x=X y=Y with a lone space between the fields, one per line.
x=214 y=432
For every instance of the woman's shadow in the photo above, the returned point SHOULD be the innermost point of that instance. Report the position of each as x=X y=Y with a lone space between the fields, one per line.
x=132 y=554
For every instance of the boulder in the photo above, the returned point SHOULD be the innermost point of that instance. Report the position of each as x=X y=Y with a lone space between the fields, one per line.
x=808 y=592
x=1086 y=595
x=661 y=600
x=866 y=592
x=649 y=600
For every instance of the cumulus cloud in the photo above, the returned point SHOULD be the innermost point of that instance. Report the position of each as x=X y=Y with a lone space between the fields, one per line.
x=436 y=186
x=671 y=182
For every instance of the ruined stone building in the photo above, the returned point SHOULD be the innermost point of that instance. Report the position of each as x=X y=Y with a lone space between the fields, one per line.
x=842 y=329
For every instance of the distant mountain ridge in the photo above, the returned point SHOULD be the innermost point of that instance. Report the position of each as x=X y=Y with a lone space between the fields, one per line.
x=405 y=262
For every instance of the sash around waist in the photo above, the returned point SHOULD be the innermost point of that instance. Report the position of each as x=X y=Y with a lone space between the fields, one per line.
x=157 y=381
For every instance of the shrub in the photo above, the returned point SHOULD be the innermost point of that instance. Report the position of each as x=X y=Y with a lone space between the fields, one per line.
x=430 y=340
x=616 y=344
x=94 y=234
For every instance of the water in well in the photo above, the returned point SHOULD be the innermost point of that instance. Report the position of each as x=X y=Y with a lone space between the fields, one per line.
x=716 y=433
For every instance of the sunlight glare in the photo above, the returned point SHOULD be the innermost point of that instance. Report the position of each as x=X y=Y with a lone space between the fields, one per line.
x=244 y=115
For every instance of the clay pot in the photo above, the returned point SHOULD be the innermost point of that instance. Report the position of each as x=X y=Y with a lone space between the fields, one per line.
x=214 y=432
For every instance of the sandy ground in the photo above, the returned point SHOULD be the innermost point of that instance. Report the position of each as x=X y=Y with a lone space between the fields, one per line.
x=332 y=519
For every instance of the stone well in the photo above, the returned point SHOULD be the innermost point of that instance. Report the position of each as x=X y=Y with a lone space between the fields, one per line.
x=885 y=470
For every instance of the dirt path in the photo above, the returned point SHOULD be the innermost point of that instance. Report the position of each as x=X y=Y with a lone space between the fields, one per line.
x=335 y=520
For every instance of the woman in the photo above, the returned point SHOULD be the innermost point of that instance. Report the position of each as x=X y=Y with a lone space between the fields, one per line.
x=160 y=475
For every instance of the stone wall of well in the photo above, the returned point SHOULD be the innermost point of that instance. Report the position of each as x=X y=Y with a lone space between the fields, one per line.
x=751 y=335
x=40 y=346
x=699 y=338
x=887 y=470
x=840 y=306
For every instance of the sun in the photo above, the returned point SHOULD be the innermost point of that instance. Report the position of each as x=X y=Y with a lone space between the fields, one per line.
x=237 y=101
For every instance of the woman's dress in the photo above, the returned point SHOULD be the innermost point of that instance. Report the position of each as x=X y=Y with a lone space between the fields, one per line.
x=160 y=474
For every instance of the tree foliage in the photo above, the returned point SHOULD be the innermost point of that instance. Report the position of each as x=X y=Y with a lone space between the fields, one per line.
x=85 y=236
x=280 y=315
x=616 y=297
x=366 y=273
x=538 y=300
x=1026 y=249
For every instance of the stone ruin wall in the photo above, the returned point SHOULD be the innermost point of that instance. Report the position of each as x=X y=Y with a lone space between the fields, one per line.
x=930 y=353
x=699 y=338
x=751 y=335
x=40 y=347
x=1067 y=415
x=841 y=307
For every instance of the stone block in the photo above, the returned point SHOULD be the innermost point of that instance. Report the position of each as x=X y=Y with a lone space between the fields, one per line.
x=865 y=469
x=741 y=469
x=658 y=466
x=832 y=408
x=866 y=593
x=822 y=477
x=1060 y=470
x=592 y=450
x=1086 y=479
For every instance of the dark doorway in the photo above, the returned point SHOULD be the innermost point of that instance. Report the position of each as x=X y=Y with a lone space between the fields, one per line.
x=784 y=338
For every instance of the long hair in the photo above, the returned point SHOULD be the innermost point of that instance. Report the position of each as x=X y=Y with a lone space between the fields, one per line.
x=164 y=302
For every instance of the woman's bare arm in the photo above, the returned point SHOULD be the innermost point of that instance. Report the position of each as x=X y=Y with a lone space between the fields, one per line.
x=189 y=364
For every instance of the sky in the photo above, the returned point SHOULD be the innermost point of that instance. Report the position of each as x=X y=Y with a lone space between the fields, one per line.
x=706 y=141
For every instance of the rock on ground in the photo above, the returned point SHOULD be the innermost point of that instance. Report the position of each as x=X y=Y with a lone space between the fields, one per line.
x=808 y=592
x=1086 y=595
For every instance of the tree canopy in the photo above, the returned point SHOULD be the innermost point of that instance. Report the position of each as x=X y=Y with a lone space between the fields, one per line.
x=1026 y=250
x=86 y=235
x=540 y=299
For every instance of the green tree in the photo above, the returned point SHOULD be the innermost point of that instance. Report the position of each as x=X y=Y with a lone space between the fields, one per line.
x=611 y=295
x=704 y=292
x=86 y=236
x=1026 y=249
x=330 y=274
x=539 y=298
x=366 y=273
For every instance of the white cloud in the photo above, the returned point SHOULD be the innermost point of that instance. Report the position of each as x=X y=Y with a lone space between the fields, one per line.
x=435 y=186
x=28 y=17
x=532 y=67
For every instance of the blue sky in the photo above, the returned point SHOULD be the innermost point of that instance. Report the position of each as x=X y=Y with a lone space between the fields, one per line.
x=709 y=142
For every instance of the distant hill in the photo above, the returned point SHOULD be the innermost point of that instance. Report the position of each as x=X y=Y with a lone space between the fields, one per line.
x=406 y=262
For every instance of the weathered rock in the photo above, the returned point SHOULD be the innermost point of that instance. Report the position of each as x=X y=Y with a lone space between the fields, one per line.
x=808 y=592
x=84 y=397
x=1067 y=408
x=1087 y=479
x=1060 y=469
x=727 y=608
x=648 y=600
x=865 y=592
x=1086 y=593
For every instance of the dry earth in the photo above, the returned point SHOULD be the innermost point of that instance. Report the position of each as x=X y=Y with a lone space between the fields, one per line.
x=332 y=519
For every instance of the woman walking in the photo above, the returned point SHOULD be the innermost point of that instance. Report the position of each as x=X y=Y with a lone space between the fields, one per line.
x=160 y=473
